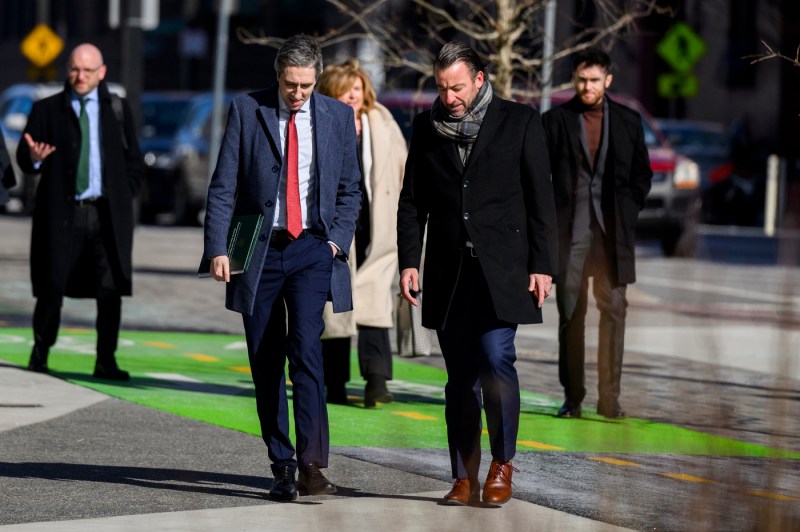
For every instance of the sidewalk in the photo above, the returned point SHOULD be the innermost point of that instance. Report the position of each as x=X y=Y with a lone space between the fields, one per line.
x=153 y=471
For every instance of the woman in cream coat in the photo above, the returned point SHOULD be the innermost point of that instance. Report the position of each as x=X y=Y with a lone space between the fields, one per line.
x=373 y=259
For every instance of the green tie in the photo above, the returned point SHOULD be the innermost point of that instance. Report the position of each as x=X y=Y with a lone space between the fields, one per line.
x=82 y=178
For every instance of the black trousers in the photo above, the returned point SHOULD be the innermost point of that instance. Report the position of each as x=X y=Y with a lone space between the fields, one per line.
x=374 y=356
x=589 y=258
x=89 y=250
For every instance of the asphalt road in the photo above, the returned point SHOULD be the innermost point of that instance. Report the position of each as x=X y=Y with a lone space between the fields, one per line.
x=710 y=346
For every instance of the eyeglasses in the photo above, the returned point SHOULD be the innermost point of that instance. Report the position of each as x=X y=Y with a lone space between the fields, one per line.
x=76 y=70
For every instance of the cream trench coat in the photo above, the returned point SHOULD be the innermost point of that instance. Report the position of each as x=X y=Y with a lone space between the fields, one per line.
x=374 y=284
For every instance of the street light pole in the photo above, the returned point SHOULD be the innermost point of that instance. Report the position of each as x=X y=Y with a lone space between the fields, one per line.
x=220 y=62
x=547 y=55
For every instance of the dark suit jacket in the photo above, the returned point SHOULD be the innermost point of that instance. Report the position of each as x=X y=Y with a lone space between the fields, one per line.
x=247 y=178
x=53 y=120
x=503 y=199
x=626 y=179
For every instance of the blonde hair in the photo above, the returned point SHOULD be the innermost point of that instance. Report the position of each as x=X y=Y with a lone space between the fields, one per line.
x=338 y=79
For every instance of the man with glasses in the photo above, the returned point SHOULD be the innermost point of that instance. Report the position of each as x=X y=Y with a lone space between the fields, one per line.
x=83 y=143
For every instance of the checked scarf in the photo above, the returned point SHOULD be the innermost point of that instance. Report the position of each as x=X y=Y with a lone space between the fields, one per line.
x=462 y=129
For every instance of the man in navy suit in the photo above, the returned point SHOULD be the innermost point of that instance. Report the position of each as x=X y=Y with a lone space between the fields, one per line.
x=290 y=154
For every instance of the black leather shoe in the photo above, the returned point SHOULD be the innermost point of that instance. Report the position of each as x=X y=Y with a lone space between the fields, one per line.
x=38 y=361
x=613 y=411
x=376 y=391
x=110 y=371
x=570 y=409
x=311 y=481
x=283 y=485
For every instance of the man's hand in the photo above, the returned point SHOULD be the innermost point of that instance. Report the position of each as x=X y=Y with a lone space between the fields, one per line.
x=220 y=268
x=409 y=285
x=334 y=248
x=39 y=150
x=540 y=285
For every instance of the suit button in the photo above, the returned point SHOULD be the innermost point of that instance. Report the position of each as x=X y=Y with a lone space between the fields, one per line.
x=268 y=203
x=262 y=238
x=466 y=184
x=275 y=169
x=466 y=216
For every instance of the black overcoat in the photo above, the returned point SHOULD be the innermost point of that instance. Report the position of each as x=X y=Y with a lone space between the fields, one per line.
x=503 y=199
x=626 y=179
x=53 y=120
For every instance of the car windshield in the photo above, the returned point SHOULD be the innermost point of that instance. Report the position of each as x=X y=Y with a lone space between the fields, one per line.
x=650 y=138
x=161 y=118
x=696 y=138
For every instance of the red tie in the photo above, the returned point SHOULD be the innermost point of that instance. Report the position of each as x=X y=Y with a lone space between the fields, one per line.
x=294 y=218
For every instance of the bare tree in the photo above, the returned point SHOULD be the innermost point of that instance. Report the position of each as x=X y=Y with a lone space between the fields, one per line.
x=508 y=33
x=772 y=54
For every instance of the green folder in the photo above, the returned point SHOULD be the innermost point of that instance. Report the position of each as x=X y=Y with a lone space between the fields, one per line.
x=243 y=234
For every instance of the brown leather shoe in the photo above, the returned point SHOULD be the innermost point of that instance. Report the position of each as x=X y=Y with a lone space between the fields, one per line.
x=465 y=492
x=497 y=489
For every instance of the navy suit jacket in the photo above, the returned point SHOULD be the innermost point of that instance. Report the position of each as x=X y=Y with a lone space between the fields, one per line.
x=247 y=178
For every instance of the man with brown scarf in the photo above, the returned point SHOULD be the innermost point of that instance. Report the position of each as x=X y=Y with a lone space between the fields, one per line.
x=478 y=179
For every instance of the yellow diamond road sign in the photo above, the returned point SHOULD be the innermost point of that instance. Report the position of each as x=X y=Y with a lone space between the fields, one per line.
x=41 y=46
x=681 y=47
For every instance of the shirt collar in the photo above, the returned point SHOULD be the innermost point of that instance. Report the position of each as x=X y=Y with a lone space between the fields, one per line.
x=90 y=96
x=285 y=110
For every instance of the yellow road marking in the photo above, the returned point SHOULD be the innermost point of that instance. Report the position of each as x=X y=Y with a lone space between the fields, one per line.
x=539 y=445
x=241 y=369
x=200 y=357
x=614 y=461
x=415 y=415
x=773 y=496
x=687 y=478
x=162 y=345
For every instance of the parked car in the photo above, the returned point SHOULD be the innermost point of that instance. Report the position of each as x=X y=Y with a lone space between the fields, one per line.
x=190 y=153
x=706 y=143
x=711 y=147
x=15 y=106
x=163 y=113
x=674 y=199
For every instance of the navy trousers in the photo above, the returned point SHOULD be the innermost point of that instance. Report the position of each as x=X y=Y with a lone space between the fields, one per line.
x=479 y=354
x=286 y=324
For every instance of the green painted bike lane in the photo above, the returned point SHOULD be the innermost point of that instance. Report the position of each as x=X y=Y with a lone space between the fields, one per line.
x=207 y=377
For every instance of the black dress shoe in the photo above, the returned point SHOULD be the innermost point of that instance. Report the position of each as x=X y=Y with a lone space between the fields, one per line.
x=283 y=486
x=376 y=391
x=38 y=361
x=311 y=481
x=570 y=409
x=110 y=371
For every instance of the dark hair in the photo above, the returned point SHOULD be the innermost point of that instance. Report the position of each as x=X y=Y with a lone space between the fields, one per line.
x=590 y=57
x=299 y=50
x=453 y=52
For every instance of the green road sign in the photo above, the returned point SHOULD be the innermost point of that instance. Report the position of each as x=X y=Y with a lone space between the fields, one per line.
x=674 y=85
x=681 y=47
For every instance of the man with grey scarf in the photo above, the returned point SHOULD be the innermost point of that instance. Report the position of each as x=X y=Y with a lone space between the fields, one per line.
x=478 y=179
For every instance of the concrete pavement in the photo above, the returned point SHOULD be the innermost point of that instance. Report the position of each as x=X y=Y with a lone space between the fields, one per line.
x=47 y=416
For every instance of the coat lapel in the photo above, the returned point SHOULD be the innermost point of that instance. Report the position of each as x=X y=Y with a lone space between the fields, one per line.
x=268 y=112
x=491 y=124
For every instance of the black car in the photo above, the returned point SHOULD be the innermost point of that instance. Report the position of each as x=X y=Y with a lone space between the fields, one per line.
x=163 y=113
